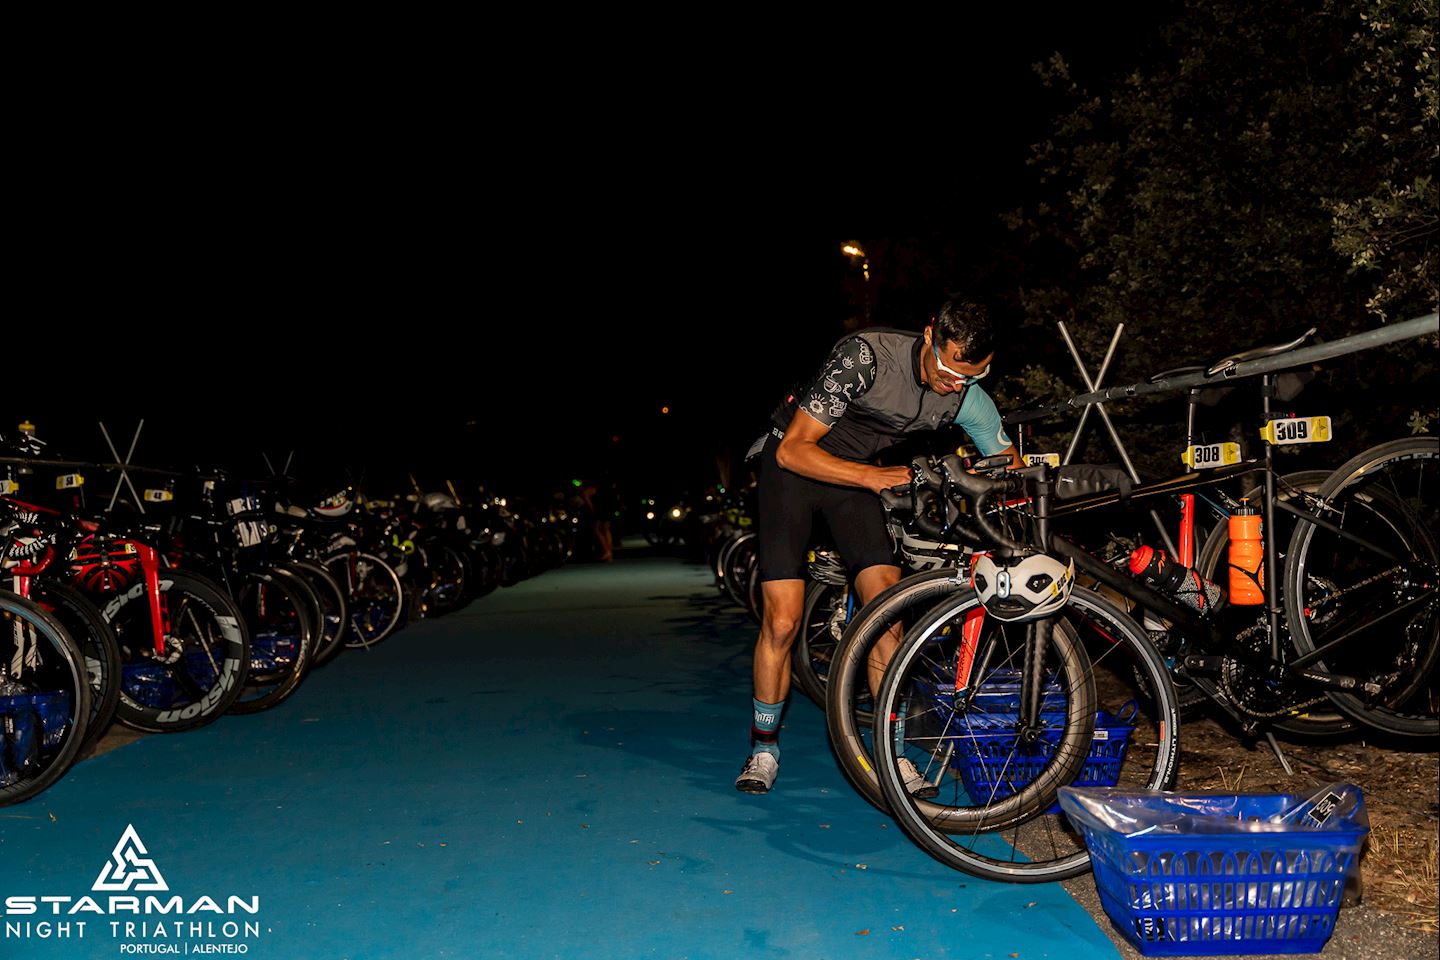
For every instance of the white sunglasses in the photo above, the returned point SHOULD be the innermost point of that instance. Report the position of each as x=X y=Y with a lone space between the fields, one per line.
x=966 y=379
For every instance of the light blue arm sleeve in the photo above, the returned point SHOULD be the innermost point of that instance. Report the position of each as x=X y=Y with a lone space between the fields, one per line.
x=981 y=420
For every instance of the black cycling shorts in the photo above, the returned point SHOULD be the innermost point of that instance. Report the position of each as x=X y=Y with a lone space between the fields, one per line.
x=788 y=505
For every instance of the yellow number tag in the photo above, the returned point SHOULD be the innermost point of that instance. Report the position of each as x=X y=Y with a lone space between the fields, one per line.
x=69 y=481
x=1204 y=456
x=8 y=487
x=158 y=496
x=1296 y=430
x=1031 y=459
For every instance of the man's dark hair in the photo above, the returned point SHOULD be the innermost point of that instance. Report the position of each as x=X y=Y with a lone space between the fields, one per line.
x=966 y=324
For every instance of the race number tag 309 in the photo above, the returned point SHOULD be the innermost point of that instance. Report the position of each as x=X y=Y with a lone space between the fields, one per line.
x=1296 y=430
x=1204 y=456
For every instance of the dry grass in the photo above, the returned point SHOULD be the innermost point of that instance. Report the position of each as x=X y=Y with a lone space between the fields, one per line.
x=1408 y=884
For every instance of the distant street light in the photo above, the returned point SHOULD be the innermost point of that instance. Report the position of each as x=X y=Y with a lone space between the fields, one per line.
x=854 y=251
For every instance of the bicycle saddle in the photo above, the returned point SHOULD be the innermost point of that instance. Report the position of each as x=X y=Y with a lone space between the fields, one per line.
x=1229 y=363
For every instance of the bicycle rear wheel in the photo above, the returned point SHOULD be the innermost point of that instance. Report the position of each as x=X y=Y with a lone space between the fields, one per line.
x=1297 y=711
x=1108 y=717
x=1365 y=601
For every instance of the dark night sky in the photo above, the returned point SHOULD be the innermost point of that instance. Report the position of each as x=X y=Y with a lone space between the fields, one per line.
x=501 y=276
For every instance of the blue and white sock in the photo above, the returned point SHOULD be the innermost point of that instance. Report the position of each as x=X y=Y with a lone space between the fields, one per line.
x=765 y=729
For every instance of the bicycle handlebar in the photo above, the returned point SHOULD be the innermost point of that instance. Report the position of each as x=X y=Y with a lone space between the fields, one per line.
x=940 y=490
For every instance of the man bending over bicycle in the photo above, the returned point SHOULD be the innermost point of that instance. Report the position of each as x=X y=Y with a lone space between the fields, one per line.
x=876 y=386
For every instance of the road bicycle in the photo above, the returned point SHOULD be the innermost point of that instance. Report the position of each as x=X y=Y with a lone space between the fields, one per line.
x=998 y=715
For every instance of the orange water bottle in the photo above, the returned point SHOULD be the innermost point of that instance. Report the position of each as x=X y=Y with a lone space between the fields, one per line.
x=1247 y=556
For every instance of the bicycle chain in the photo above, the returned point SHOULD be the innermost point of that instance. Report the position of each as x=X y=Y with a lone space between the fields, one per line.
x=1249 y=692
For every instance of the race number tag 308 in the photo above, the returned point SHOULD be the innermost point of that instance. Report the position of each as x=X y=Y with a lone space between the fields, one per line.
x=1203 y=456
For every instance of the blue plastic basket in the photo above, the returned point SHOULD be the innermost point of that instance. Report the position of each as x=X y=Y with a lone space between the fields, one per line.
x=150 y=684
x=1222 y=890
x=29 y=723
x=993 y=764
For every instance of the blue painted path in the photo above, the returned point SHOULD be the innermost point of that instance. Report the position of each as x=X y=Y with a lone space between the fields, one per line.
x=547 y=773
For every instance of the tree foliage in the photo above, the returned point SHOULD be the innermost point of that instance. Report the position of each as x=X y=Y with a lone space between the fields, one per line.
x=1269 y=167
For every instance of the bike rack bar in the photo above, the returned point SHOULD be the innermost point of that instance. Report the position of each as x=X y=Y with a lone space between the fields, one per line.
x=124 y=479
x=1382 y=336
x=1099 y=379
x=1110 y=425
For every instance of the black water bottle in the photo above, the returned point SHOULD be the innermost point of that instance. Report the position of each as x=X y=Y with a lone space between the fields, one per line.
x=1156 y=568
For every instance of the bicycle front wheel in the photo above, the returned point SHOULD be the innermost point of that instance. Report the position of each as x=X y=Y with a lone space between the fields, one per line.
x=376 y=599
x=1362 y=598
x=282 y=613
x=44 y=699
x=1108 y=717
x=202 y=669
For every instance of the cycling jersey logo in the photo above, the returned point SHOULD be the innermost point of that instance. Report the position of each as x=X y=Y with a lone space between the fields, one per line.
x=130 y=867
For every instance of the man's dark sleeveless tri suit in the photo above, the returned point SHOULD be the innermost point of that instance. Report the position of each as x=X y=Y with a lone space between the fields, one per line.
x=869 y=393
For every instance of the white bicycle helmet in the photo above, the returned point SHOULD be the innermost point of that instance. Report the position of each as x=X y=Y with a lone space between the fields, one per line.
x=1027 y=589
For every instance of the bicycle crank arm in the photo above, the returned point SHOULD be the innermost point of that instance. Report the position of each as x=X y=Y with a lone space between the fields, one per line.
x=1204 y=666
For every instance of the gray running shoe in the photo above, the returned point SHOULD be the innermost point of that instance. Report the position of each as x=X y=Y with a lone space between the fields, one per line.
x=758 y=776
x=916 y=785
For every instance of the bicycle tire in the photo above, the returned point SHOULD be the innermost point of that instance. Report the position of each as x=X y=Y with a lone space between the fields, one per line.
x=848 y=701
x=207 y=654
x=754 y=589
x=282 y=614
x=445 y=578
x=1023 y=837
x=334 y=611
x=375 y=595
x=736 y=561
x=815 y=644
x=45 y=692
x=80 y=617
x=722 y=556
x=1386 y=496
